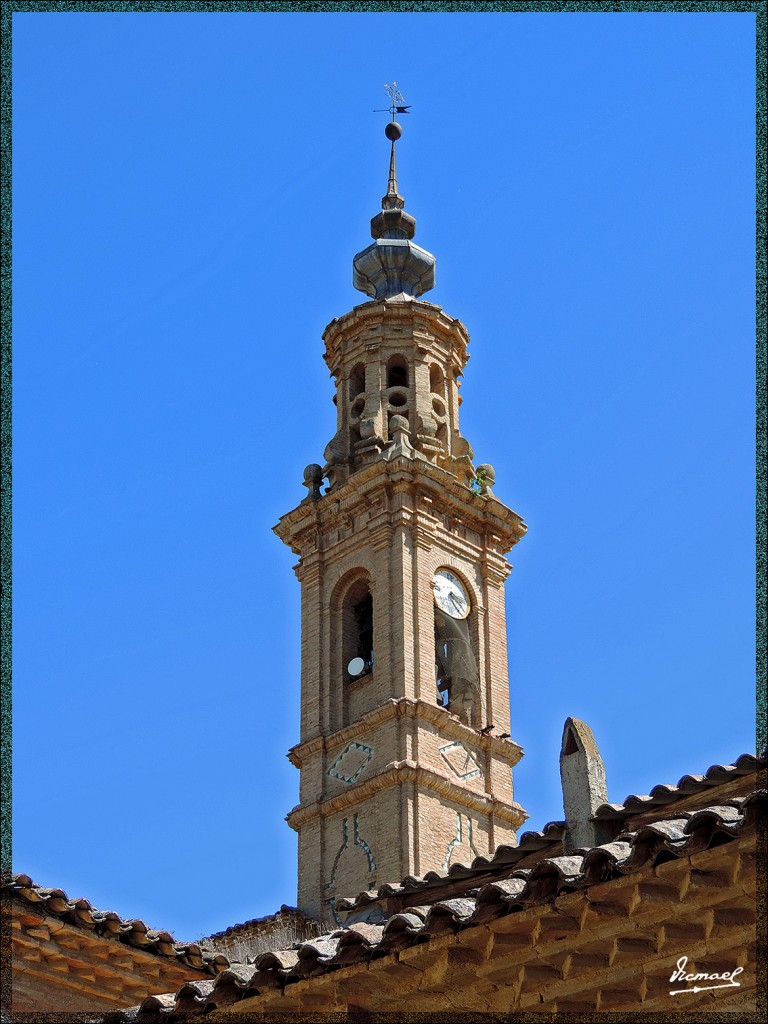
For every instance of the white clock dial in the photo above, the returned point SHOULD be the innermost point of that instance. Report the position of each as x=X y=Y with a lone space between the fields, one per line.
x=450 y=595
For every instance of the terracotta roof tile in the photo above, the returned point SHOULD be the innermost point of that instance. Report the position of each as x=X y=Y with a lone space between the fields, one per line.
x=323 y=946
x=530 y=842
x=357 y=943
x=316 y=956
x=673 y=837
x=399 y=929
x=283 y=960
x=661 y=795
x=753 y=808
x=361 y=933
x=605 y=862
x=448 y=916
x=157 y=1004
x=284 y=912
x=132 y=932
x=231 y=986
x=534 y=840
x=192 y=995
x=237 y=974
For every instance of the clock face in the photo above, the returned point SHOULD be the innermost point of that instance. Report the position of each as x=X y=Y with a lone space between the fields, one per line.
x=450 y=595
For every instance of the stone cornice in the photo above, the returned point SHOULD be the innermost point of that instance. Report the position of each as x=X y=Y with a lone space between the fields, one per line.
x=496 y=568
x=398 y=773
x=404 y=707
x=420 y=316
x=484 y=514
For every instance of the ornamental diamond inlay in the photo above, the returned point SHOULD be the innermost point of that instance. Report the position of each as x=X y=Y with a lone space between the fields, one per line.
x=351 y=762
x=460 y=761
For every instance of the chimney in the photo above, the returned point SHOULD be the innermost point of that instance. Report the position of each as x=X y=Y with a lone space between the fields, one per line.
x=582 y=775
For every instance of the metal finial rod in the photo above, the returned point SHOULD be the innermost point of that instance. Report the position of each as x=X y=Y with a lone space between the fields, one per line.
x=392 y=183
x=393 y=267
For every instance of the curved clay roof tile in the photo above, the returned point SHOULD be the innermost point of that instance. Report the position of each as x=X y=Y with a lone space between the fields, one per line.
x=277 y=959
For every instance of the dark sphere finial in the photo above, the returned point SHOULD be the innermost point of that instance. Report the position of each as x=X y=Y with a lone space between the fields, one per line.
x=393 y=131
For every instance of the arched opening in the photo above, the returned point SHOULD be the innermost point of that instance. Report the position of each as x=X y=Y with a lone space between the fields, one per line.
x=397 y=372
x=353 y=688
x=357 y=630
x=436 y=379
x=357 y=381
x=351 y=637
x=456 y=673
x=356 y=410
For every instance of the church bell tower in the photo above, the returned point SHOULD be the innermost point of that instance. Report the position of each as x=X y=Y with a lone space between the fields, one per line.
x=404 y=753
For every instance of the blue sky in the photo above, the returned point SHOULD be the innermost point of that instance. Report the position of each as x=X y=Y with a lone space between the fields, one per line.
x=189 y=192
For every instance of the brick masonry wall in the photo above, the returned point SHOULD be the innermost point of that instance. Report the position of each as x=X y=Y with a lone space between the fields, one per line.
x=395 y=532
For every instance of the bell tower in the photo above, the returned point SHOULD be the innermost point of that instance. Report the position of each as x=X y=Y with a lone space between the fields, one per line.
x=404 y=753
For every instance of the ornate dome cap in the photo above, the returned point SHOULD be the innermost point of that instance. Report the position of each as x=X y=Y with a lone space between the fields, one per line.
x=393 y=266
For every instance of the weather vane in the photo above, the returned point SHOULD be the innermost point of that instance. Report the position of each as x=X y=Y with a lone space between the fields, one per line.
x=397 y=105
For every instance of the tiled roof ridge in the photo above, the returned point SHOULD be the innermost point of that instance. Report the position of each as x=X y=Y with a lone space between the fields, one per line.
x=504 y=856
x=665 y=793
x=284 y=911
x=107 y=923
x=533 y=841
x=522 y=889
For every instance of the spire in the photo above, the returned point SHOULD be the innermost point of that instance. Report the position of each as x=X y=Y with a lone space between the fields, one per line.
x=394 y=266
x=392 y=200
